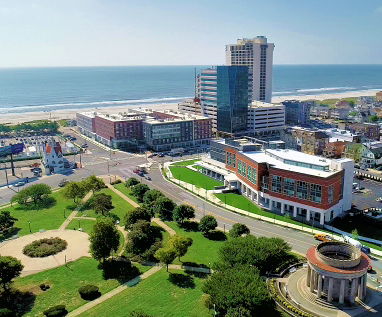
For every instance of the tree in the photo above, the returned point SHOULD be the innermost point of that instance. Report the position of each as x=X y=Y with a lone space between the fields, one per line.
x=183 y=213
x=74 y=190
x=247 y=291
x=142 y=240
x=151 y=196
x=104 y=239
x=267 y=254
x=35 y=193
x=373 y=118
x=165 y=256
x=238 y=229
x=6 y=221
x=139 y=213
x=139 y=190
x=38 y=192
x=179 y=244
x=207 y=224
x=102 y=203
x=10 y=268
x=93 y=183
x=132 y=181
x=355 y=234
x=164 y=207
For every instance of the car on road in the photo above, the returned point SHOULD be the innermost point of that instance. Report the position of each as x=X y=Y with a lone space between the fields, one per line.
x=323 y=237
x=84 y=146
x=18 y=184
x=379 y=199
x=148 y=178
x=161 y=155
x=63 y=182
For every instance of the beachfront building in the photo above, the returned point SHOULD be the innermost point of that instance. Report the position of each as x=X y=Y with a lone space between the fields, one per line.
x=120 y=131
x=223 y=94
x=297 y=112
x=265 y=119
x=378 y=96
x=177 y=131
x=306 y=187
x=257 y=55
x=86 y=123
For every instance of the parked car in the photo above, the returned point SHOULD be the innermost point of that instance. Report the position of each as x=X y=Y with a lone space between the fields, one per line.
x=365 y=249
x=323 y=237
x=84 y=145
x=18 y=184
x=379 y=199
x=148 y=178
x=63 y=182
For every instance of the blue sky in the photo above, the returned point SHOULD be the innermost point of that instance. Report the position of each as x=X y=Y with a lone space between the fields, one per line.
x=186 y=32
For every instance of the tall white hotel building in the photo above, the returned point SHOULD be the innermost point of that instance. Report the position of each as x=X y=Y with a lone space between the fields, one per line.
x=256 y=53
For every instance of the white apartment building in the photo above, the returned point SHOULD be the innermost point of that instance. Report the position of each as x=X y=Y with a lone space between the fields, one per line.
x=257 y=54
x=265 y=118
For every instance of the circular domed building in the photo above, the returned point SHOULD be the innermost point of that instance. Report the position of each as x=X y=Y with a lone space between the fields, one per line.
x=337 y=272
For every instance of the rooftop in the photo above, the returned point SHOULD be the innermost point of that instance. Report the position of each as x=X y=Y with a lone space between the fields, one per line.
x=260 y=104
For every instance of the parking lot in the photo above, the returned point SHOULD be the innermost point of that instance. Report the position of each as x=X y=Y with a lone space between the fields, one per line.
x=366 y=197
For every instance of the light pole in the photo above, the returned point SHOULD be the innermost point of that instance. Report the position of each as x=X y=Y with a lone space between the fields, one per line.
x=64 y=213
x=79 y=223
x=29 y=223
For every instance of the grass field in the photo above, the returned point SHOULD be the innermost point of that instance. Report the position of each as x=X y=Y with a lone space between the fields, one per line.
x=45 y=218
x=157 y=296
x=124 y=190
x=185 y=163
x=64 y=282
x=85 y=224
x=195 y=178
x=202 y=250
x=121 y=206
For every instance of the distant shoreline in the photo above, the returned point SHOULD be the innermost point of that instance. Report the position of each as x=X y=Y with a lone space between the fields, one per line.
x=14 y=118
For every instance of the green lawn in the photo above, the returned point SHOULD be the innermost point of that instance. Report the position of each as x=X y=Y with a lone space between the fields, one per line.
x=121 y=206
x=124 y=190
x=241 y=202
x=46 y=218
x=195 y=178
x=185 y=163
x=202 y=250
x=64 y=282
x=156 y=296
x=85 y=224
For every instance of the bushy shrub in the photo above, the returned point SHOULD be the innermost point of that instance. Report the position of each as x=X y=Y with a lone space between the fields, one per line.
x=45 y=247
x=56 y=311
x=119 y=268
x=89 y=292
x=6 y=312
x=117 y=181
x=44 y=287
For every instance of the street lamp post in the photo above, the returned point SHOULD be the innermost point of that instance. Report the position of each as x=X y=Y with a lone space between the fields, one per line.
x=64 y=213
x=79 y=223
x=29 y=223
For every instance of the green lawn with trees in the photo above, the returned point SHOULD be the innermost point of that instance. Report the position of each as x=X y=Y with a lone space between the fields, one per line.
x=85 y=224
x=203 y=251
x=195 y=178
x=126 y=191
x=47 y=217
x=162 y=294
x=64 y=282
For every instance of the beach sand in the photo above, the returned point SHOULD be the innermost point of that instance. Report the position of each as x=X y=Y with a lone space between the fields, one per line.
x=14 y=118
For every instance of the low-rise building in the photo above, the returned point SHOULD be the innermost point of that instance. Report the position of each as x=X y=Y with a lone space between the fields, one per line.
x=378 y=96
x=334 y=149
x=86 y=123
x=265 y=119
x=360 y=154
x=52 y=157
x=310 y=141
x=368 y=131
x=306 y=187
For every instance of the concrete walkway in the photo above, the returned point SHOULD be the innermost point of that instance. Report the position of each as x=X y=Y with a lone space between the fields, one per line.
x=114 y=292
x=129 y=200
x=74 y=213
x=164 y=226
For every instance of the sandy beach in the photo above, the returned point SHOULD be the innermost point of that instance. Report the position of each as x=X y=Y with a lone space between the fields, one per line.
x=14 y=118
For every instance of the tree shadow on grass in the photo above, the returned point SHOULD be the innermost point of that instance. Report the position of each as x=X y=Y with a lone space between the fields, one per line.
x=12 y=232
x=216 y=235
x=17 y=301
x=182 y=280
x=190 y=226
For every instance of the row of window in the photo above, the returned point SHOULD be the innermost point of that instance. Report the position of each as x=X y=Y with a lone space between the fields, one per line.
x=247 y=171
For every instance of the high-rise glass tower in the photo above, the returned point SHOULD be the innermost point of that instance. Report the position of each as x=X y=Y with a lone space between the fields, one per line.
x=257 y=54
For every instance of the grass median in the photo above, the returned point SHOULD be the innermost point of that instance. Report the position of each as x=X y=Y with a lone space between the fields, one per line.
x=195 y=178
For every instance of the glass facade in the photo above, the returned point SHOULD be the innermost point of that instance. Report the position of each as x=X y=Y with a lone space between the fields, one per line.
x=232 y=98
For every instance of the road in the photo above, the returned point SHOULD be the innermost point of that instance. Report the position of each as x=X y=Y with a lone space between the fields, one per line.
x=100 y=161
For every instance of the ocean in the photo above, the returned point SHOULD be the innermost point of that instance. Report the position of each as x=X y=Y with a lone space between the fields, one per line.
x=48 y=89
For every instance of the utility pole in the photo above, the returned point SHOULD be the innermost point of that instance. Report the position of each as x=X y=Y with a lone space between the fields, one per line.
x=6 y=174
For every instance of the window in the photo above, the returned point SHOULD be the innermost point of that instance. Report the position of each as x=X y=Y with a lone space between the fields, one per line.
x=231 y=159
x=289 y=187
x=330 y=194
x=315 y=193
x=252 y=174
x=276 y=184
x=302 y=190
x=242 y=168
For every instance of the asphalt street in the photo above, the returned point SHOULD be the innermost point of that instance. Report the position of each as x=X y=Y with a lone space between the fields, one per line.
x=99 y=161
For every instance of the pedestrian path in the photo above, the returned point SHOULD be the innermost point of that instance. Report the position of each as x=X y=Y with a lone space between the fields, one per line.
x=114 y=292
x=164 y=226
x=74 y=213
